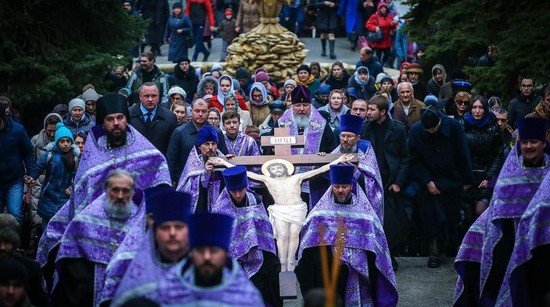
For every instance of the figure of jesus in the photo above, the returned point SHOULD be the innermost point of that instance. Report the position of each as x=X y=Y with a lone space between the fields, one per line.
x=289 y=211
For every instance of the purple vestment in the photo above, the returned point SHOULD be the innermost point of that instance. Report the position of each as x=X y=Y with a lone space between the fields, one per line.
x=143 y=273
x=242 y=145
x=95 y=236
x=368 y=166
x=313 y=134
x=138 y=156
x=177 y=288
x=195 y=176
x=121 y=260
x=364 y=234
x=513 y=191
x=533 y=230
x=252 y=232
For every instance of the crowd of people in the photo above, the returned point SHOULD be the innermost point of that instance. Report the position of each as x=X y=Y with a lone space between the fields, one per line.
x=132 y=203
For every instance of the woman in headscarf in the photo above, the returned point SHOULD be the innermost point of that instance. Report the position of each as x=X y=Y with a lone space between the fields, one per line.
x=226 y=86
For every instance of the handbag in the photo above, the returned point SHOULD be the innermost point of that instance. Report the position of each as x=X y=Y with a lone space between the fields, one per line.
x=189 y=40
x=374 y=36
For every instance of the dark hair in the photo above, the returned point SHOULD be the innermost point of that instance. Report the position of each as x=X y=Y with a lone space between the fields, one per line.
x=68 y=159
x=149 y=55
x=80 y=134
x=51 y=120
x=380 y=101
x=229 y=115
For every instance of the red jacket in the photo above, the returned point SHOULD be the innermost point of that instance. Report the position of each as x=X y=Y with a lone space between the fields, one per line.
x=214 y=103
x=386 y=25
x=207 y=8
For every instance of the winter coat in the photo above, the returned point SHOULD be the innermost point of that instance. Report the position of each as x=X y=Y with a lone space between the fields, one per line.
x=227 y=29
x=441 y=157
x=248 y=16
x=186 y=80
x=520 y=106
x=338 y=83
x=160 y=129
x=136 y=81
x=16 y=152
x=200 y=11
x=363 y=92
x=414 y=112
x=177 y=48
x=373 y=64
x=485 y=145
x=395 y=151
x=84 y=125
x=386 y=25
x=348 y=9
x=202 y=84
x=58 y=179
x=326 y=20
x=433 y=87
x=157 y=11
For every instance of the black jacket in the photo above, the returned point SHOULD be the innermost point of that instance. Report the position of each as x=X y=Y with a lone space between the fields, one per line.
x=160 y=129
x=181 y=142
x=521 y=106
x=442 y=157
x=186 y=80
x=394 y=147
x=486 y=150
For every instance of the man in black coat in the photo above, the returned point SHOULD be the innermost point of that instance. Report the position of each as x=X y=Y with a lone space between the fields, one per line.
x=525 y=102
x=184 y=137
x=153 y=121
x=389 y=138
x=441 y=165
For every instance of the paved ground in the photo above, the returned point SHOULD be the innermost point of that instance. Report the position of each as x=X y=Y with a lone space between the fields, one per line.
x=417 y=284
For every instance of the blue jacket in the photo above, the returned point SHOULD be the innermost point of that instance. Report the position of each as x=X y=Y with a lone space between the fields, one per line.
x=16 y=152
x=84 y=125
x=58 y=179
x=177 y=47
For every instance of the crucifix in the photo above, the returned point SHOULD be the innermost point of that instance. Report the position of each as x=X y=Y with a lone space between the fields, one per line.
x=283 y=143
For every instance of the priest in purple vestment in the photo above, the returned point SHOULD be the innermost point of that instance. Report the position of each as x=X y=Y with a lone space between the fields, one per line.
x=303 y=119
x=209 y=277
x=487 y=248
x=366 y=277
x=162 y=247
x=527 y=278
x=91 y=239
x=111 y=144
x=367 y=174
x=199 y=178
x=252 y=241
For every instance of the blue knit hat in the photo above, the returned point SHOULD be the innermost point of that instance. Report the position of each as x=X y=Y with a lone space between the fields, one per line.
x=532 y=128
x=341 y=174
x=170 y=206
x=210 y=229
x=150 y=196
x=324 y=89
x=351 y=123
x=235 y=178
x=61 y=131
x=206 y=134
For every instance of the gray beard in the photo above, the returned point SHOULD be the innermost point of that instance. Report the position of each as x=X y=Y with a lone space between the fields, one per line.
x=301 y=121
x=116 y=211
x=352 y=149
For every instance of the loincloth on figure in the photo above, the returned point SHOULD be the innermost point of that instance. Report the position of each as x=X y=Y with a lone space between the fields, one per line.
x=295 y=214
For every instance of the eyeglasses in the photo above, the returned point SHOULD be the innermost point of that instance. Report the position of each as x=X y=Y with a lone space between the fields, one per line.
x=527 y=85
x=462 y=102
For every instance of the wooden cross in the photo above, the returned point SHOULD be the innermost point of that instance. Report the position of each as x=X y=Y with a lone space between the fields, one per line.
x=283 y=143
